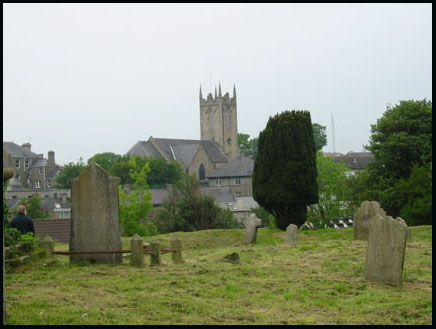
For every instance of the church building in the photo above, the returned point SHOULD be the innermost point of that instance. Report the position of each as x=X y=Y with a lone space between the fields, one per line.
x=215 y=153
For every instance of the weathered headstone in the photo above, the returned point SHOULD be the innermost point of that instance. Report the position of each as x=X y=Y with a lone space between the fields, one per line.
x=95 y=220
x=252 y=223
x=177 y=255
x=136 y=251
x=155 y=258
x=47 y=244
x=362 y=216
x=291 y=233
x=386 y=249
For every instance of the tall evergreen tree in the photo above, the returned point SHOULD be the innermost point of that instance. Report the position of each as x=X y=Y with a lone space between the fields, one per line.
x=284 y=176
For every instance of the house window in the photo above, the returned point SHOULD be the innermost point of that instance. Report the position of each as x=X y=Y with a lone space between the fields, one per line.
x=48 y=183
x=218 y=182
x=238 y=194
x=17 y=163
x=40 y=170
x=202 y=172
x=27 y=164
x=238 y=181
x=17 y=176
x=14 y=197
x=38 y=184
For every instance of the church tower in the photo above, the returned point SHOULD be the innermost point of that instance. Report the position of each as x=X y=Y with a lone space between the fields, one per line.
x=218 y=121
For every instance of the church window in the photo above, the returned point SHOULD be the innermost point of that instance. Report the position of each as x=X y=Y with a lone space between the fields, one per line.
x=202 y=172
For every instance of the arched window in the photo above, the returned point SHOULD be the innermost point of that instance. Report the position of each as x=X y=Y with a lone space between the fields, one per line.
x=202 y=172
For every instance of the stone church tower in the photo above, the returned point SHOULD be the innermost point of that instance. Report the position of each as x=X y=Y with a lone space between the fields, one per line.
x=218 y=121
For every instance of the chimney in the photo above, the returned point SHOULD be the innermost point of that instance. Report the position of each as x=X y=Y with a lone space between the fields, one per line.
x=27 y=146
x=51 y=158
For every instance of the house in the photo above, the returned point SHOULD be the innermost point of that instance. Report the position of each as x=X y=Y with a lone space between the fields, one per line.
x=33 y=173
x=236 y=175
x=355 y=161
x=31 y=170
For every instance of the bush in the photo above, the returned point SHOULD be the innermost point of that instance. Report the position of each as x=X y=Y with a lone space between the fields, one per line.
x=186 y=209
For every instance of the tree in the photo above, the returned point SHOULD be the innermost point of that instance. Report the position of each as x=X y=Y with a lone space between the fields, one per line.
x=400 y=141
x=334 y=192
x=248 y=147
x=105 y=160
x=135 y=206
x=187 y=209
x=320 y=136
x=284 y=175
x=402 y=138
x=33 y=207
x=70 y=171
x=163 y=172
x=418 y=208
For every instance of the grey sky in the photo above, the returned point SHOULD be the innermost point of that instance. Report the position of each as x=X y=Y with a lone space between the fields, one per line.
x=81 y=79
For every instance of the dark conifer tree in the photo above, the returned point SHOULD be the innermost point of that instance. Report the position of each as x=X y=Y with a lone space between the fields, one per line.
x=284 y=176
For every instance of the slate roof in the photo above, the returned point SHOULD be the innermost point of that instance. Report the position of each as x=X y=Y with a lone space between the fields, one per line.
x=17 y=151
x=177 y=149
x=144 y=148
x=238 y=167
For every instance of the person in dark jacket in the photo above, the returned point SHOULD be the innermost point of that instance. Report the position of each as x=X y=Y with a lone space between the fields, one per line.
x=22 y=222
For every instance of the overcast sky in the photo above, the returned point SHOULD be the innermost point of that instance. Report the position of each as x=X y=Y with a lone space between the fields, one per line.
x=81 y=79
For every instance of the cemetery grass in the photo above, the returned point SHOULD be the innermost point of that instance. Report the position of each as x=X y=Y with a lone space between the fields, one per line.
x=317 y=280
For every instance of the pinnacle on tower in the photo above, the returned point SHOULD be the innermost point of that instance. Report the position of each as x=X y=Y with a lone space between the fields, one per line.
x=234 y=91
x=215 y=91
x=201 y=95
x=219 y=89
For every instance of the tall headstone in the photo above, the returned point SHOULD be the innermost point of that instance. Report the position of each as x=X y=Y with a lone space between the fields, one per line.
x=252 y=223
x=362 y=216
x=136 y=251
x=291 y=233
x=386 y=249
x=95 y=219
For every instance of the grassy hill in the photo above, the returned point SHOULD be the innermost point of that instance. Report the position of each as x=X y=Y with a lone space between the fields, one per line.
x=318 y=280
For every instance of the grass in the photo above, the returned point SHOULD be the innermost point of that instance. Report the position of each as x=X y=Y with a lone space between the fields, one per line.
x=318 y=280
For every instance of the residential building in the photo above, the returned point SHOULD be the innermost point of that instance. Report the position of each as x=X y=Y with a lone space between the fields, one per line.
x=31 y=170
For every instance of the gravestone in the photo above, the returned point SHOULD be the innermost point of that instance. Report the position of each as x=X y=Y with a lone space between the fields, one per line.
x=362 y=216
x=48 y=246
x=386 y=249
x=136 y=251
x=176 y=256
x=252 y=223
x=95 y=220
x=291 y=233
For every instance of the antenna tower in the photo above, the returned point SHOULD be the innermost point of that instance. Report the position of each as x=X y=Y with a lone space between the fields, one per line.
x=333 y=136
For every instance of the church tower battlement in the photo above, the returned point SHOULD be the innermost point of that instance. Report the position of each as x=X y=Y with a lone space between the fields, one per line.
x=218 y=121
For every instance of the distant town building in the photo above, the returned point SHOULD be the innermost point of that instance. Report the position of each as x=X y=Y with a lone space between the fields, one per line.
x=31 y=170
x=34 y=174
x=355 y=161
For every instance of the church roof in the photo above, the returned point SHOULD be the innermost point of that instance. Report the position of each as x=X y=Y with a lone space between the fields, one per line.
x=176 y=149
x=238 y=167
